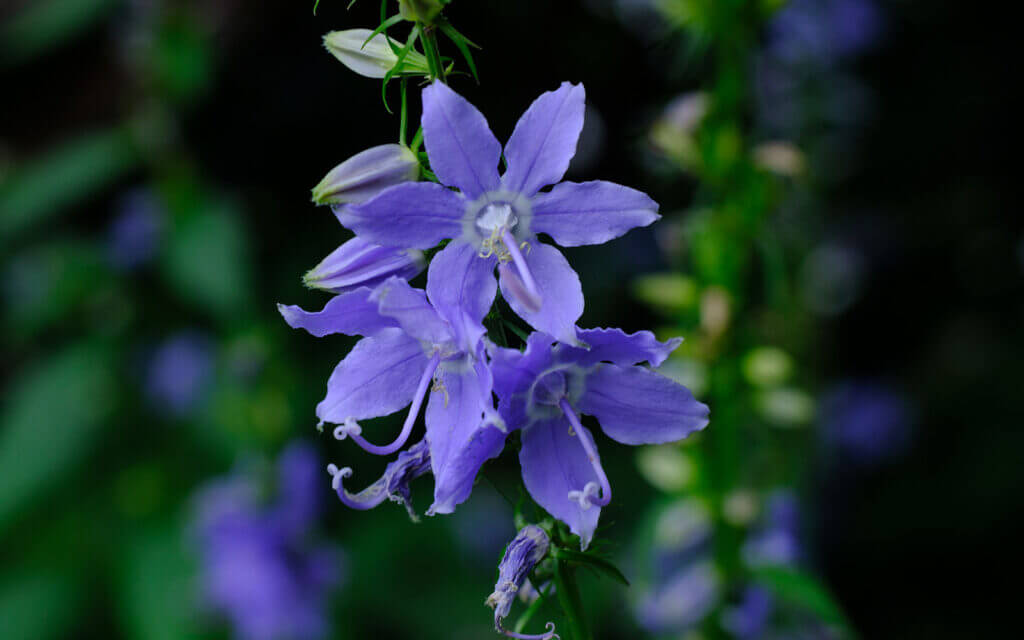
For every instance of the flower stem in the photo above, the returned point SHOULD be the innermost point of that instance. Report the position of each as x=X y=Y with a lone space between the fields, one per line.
x=569 y=597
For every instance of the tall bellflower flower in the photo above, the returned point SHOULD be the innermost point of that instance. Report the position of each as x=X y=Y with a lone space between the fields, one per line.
x=492 y=220
x=544 y=389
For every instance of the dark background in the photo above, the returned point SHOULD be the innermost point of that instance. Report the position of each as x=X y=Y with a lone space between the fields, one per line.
x=919 y=546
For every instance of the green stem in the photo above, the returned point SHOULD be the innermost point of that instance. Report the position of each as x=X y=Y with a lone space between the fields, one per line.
x=569 y=597
x=429 y=37
x=532 y=609
x=404 y=117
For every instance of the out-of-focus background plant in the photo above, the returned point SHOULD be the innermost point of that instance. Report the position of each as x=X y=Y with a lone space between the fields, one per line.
x=838 y=250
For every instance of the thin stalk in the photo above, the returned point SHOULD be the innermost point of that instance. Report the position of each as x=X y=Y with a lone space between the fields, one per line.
x=569 y=597
x=403 y=119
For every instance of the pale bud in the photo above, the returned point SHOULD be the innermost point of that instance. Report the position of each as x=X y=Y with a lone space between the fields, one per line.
x=366 y=174
x=373 y=59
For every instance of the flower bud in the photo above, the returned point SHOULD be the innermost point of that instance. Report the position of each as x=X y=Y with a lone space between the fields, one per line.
x=525 y=551
x=358 y=263
x=423 y=10
x=366 y=174
x=374 y=58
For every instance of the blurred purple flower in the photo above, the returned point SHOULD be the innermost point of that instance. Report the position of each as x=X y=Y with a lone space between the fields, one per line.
x=682 y=586
x=178 y=373
x=258 y=568
x=134 y=235
x=776 y=539
x=818 y=32
x=866 y=421
x=749 y=619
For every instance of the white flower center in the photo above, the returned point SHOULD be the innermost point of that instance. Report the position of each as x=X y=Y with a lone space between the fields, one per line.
x=496 y=217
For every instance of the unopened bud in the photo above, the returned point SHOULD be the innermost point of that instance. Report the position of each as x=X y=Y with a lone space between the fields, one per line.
x=358 y=263
x=373 y=59
x=366 y=174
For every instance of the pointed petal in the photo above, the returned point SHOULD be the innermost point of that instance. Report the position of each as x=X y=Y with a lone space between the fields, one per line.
x=619 y=347
x=638 y=406
x=410 y=308
x=579 y=213
x=351 y=313
x=561 y=294
x=461 y=286
x=554 y=464
x=463 y=152
x=544 y=141
x=417 y=215
x=378 y=377
x=358 y=263
x=460 y=433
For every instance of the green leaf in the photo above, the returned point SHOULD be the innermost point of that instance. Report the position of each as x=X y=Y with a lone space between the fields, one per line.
x=802 y=590
x=37 y=607
x=384 y=26
x=41 y=189
x=44 y=24
x=52 y=418
x=579 y=558
x=206 y=259
x=156 y=586
x=50 y=284
x=463 y=45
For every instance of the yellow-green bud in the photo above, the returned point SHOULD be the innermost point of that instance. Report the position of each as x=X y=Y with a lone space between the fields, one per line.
x=423 y=10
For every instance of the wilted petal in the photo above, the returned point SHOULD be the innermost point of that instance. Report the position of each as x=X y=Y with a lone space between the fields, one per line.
x=554 y=464
x=460 y=430
x=575 y=213
x=461 y=286
x=366 y=174
x=463 y=152
x=638 y=406
x=560 y=291
x=358 y=263
x=619 y=347
x=413 y=312
x=351 y=313
x=394 y=484
x=522 y=554
x=378 y=377
x=544 y=140
x=415 y=214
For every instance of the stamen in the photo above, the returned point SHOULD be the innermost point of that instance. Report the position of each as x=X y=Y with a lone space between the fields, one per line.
x=320 y=427
x=348 y=428
x=520 y=262
x=338 y=474
x=410 y=419
x=549 y=634
x=588 y=495
x=440 y=386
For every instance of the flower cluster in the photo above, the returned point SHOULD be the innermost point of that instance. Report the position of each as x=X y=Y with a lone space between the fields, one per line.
x=259 y=569
x=433 y=342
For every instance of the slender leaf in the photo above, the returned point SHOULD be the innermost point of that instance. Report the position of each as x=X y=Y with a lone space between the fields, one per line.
x=803 y=590
x=602 y=565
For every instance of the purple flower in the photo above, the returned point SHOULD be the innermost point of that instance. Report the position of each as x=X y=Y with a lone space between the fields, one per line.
x=542 y=390
x=683 y=601
x=366 y=174
x=776 y=540
x=358 y=263
x=866 y=421
x=179 y=373
x=415 y=342
x=525 y=551
x=749 y=619
x=134 y=235
x=815 y=32
x=493 y=220
x=393 y=485
x=257 y=568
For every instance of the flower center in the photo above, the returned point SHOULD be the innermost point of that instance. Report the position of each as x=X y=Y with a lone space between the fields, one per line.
x=551 y=388
x=495 y=219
